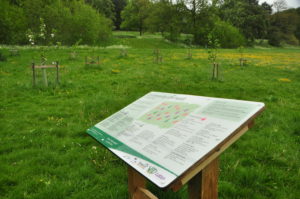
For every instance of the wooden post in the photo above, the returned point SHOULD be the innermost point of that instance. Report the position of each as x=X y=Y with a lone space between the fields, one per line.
x=57 y=73
x=45 y=77
x=135 y=180
x=137 y=186
x=157 y=56
x=33 y=74
x=217 y=76
x=213 y=71
x=189 y=55
x=204 y=185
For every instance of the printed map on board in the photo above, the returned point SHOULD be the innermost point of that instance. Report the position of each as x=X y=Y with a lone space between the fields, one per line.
x=167 y=114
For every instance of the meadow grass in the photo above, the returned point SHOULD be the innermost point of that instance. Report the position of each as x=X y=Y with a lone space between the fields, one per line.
x=45 y=152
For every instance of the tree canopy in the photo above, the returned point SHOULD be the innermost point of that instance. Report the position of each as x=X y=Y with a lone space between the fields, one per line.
x=235 y=22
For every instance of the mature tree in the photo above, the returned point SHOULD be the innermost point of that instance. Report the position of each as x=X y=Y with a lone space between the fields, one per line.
x=166 y=17
x=119 y=6
x=284 y=27
x=135 y=14
x=198 y=10
x=105 y=7
x=247 y=15
x=159 y=16
x=267 y=8
x=280 y=5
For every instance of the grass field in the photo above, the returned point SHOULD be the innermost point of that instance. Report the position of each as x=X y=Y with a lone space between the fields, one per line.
x=45 y=152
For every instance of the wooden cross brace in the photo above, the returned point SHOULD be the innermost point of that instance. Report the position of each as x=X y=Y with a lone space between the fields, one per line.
x=92 y=60
x=44 y=67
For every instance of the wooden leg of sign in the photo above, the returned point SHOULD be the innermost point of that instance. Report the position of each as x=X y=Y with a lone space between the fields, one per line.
x=137 y=186
x=204 y=185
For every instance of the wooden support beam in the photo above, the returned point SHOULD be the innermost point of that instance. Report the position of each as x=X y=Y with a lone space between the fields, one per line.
x=197 y=168
x=204 y=185
x=135 y=181
x=143 y=193
x=137 y=186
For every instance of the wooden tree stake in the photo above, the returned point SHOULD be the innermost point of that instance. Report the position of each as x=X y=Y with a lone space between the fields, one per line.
x=33 y=74
x=215 y=71
x=45 y=77
x=57 y=73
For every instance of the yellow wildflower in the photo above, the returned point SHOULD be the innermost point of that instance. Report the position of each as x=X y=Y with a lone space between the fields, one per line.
x=284 y=80
x=115 y=71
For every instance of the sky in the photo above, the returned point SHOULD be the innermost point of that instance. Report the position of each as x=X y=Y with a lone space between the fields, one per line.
x=290 y=3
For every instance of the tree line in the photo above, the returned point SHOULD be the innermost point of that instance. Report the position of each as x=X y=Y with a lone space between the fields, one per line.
x=232 y=22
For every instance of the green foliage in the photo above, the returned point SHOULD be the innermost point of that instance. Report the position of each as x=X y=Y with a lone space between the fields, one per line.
x=105 y=7
x=228 y=35
x=203 y=24
x=12 y=24
x=135 y=14
x=284 y=28
x=248 y=16
x=213 y=47
x=87 y=24
x=275 y=36
x=119 y=6
x=236 y=22
x=52 y=22
x=3 y=56
x=158 y=18
x=167 y=18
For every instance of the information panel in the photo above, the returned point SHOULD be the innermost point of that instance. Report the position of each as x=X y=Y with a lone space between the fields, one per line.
x=161 y=135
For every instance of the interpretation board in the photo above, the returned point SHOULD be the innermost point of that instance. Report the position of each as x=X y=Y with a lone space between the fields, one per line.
x=161 y=135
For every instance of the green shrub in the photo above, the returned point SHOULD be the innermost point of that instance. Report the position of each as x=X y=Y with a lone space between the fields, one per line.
x=291 y=39
x=275 y=37
x=65 y=22
x=87 y=24
x=173 y=35
x=3 y=57
x=12 y=24
x=228 y=35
